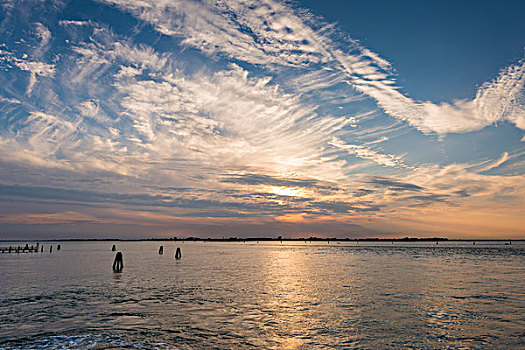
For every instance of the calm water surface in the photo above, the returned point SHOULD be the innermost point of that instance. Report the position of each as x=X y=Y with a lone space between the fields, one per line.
x=266 y=295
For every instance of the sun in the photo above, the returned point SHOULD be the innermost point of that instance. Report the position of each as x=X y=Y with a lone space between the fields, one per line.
x=286 y=191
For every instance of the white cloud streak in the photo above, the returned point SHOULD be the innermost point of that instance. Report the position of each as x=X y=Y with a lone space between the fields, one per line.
x=271 y=33
x=504 y=157
x=225 y=119
x=9 y=100
x=366 y=152
x=74 y=23
x=34 y=66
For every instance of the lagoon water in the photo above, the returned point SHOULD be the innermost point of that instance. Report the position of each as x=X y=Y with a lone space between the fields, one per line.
x=266 y=295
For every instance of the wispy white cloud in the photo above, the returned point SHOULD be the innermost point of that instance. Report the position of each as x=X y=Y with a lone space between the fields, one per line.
x=222 y=119
x=227 y=118
x=44 y=36
x=74 y=23
x=9 y=100
x=365 y=152
x=34 y=65
x=34 y=68
x=495 y=101
x=492 y=165
x=263 y=33
x=379 y=140
x=269 y=32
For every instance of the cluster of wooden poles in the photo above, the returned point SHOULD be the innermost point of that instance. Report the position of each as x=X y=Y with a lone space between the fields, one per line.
x=26 y=249
x=118 y=263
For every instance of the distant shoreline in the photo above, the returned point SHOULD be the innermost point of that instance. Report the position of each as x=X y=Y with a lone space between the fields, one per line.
x=264 y=239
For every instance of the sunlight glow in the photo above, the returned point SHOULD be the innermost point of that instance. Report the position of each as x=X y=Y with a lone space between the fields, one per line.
x=287 y=191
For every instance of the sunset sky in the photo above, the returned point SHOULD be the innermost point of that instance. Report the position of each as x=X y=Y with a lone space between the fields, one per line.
x=150 y=118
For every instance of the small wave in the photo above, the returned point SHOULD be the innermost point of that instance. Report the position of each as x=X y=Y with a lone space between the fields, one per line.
x=86 y=341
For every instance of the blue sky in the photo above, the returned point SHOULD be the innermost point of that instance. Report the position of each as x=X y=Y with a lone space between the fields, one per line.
x=338 y=119
x=441 y=50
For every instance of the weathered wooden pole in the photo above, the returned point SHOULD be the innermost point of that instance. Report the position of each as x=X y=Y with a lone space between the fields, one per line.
x=118 y=264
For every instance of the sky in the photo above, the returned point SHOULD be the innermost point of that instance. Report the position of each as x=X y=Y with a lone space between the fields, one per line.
x=147 y=118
